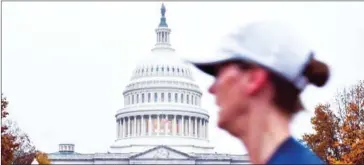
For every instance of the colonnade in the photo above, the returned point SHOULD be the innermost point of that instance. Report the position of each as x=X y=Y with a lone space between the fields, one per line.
x=163 y=37
x=162 y=125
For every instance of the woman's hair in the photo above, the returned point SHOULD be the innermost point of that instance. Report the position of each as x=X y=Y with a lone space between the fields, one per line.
x=287 y=95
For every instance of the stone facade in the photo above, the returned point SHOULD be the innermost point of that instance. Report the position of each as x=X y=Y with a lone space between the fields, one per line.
x=157 y=155
x=162 y=121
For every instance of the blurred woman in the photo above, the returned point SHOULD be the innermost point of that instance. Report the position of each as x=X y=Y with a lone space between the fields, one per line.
x=259 y=76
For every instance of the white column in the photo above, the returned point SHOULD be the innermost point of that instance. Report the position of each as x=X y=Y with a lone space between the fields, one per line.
x=183 y=126
x=135 y=128
x=158 y=37
x=165 y=36
x=143 y=126
x=195 y=121
x=117 y=129
x=189 y=126
x=174 y=125
x=121 y=128
x=124 y=127
x=165 y=124
x=158 y=124
x=150 y=125
x=129 y=124
x=203 y=128
x=168 y=38
x=199 y=128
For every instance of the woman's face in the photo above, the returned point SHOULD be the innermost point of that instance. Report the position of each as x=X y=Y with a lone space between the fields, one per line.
x=230 y=88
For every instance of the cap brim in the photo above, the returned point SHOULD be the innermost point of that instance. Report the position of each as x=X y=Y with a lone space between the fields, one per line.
x=208 y=67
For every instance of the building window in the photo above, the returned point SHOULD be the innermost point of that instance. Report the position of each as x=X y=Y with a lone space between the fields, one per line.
x=162 y=69
x=132 y=99
x=137 y=98
x=169 y=97
x=167 y=69
x=155 y=97
x=175 y=97
x=143 y=98
x=181 y=98
x=162 y=95
x=188 y=99
x=151 y=69
x=156 y=69
x=148 y=97
x=192 y=99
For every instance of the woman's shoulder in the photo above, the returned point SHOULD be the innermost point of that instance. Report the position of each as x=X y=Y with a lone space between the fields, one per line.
x=293 y=152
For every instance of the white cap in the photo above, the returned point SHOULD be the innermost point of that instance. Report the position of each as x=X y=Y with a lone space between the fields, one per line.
x=272 y=45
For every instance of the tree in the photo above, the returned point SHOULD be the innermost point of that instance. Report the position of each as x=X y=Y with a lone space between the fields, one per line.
x=16 y=146
x=8 y=141
x=339 y=129
x=26 y=151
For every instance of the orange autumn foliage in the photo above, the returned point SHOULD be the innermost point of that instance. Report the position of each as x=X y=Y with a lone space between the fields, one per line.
x=339 y=129
x=8 y=141
x=42 y=158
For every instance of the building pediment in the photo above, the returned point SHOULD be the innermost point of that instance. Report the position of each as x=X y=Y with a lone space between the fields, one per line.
x=161 y=152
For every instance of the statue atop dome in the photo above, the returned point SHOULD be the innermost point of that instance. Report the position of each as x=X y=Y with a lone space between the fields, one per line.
x=163 y=10
x=163 y=22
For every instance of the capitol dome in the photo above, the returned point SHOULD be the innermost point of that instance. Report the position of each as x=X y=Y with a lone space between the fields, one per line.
x=162 y=104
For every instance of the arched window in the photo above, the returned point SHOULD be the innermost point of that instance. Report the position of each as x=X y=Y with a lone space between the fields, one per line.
x=155 y=97
x=132 y=99
x=137 y=98
x=151 y=69
x=148 y=97
x=167 y=69
x=192 y=100
x=175 y=97
x=181 y=98
x=142 y=97
x=169 y=97
x=162 y=96
x=188 y=99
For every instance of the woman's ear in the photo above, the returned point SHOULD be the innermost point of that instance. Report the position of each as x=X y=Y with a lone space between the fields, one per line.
x=255 y=80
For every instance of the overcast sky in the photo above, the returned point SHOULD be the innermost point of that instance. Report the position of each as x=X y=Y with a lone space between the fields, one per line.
x=65 y=64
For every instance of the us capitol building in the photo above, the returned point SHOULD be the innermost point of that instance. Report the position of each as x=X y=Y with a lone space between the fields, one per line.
x=162 y=121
